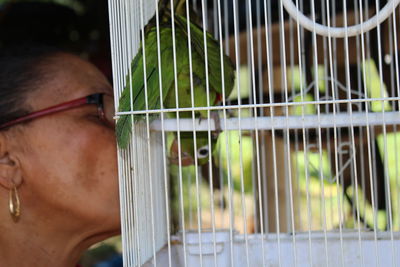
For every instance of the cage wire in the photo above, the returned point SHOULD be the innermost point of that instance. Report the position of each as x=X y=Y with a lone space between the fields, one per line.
x=302 y=167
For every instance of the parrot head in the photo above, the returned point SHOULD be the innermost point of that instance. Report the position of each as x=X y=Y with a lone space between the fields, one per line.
x=187 y=149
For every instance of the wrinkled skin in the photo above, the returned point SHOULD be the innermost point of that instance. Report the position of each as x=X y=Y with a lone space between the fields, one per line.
x=64 y=166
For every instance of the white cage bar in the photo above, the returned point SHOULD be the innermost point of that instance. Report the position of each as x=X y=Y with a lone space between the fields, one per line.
x=281 y=122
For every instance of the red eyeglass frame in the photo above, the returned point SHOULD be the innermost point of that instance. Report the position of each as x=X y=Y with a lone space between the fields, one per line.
x=96 y=98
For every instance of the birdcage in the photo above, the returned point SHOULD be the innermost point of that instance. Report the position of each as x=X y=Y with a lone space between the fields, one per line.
x=302 y=166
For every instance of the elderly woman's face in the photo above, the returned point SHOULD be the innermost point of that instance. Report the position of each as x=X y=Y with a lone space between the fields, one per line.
x=68 y=159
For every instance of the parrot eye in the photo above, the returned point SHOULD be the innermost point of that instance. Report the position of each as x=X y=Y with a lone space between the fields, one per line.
x=202 y=152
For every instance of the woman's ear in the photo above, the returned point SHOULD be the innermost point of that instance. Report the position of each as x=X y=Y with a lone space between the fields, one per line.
x=10 y=168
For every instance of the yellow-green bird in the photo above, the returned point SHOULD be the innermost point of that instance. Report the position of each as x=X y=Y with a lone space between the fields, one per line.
x=134 y=91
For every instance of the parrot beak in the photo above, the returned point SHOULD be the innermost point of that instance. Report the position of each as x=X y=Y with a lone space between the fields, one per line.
x=186 y=159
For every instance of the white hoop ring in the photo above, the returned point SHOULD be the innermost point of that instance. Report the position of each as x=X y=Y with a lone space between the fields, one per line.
x=340 y=32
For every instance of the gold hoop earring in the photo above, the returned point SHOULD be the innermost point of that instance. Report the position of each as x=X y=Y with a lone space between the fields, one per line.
x=14 y=204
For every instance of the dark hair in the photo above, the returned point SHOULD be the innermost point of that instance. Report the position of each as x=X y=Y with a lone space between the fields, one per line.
x=21 y=72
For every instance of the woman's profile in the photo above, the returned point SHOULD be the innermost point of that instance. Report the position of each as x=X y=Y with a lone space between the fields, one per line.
x=58 y=169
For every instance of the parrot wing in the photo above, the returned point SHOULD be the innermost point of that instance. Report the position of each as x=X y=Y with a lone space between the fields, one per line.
x=213 y=57
x=133 y=96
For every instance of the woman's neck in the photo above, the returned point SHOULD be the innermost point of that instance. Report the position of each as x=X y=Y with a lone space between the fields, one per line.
x=34 y=249
x=32 y=245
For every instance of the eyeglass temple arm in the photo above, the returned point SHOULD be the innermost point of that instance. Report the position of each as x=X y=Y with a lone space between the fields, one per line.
x=50 y=110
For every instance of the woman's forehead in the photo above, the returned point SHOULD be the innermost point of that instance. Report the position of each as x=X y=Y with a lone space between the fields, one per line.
x=68 y=77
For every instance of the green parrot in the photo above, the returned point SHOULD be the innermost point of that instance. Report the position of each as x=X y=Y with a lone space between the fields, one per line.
x=134 y=91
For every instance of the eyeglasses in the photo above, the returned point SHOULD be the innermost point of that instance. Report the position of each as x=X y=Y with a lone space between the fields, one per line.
x=104 y=102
